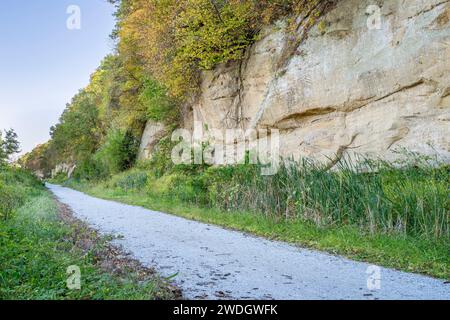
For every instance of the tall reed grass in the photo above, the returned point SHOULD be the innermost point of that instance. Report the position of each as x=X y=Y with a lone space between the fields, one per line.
x=376 y=196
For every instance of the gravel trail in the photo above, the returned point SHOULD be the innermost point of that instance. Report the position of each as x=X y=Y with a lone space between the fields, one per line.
x=215 y=263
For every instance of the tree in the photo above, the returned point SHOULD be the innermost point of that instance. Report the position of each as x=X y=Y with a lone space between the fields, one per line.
x=76 y=136
x=119 y=151
x=9 y=145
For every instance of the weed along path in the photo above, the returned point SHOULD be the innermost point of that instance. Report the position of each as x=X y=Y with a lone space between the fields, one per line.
x=213 y=263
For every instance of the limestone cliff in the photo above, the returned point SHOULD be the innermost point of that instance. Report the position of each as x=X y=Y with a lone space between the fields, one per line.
x=62 y=168
x=153 y=132
x=350 y=86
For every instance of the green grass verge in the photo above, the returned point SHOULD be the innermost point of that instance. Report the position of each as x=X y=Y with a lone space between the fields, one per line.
x=36 y=249
x=402 y=252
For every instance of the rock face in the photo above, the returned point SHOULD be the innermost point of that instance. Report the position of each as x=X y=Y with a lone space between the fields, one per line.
x=65 y=169
x=368 y=80
x=153 y=132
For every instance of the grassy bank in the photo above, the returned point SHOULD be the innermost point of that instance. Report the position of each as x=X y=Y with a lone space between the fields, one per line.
x=36 y=248
x=395 y=217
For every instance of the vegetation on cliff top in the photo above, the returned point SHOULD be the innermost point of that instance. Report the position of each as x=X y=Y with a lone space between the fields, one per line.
x=174 y=39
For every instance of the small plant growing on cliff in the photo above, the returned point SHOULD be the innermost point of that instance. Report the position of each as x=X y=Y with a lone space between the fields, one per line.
x=322 y=27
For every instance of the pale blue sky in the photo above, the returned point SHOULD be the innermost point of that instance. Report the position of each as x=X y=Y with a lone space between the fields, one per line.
x=43 y=63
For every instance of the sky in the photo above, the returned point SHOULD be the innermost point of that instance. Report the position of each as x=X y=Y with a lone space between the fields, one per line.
x=43 y=63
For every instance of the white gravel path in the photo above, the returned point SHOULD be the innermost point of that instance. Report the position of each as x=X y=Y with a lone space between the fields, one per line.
x=215 y=263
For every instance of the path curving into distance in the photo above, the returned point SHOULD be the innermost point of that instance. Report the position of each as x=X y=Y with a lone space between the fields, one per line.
x=215 y=263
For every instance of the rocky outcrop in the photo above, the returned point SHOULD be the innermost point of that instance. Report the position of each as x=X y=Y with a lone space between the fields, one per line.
x=39 y=174
x=64 y=168
x=358 y=83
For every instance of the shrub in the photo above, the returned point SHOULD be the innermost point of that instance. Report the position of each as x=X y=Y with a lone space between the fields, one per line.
x=161 y=186
x=9 y=201
x=16 y=186
x=118 y=153
x=90 y=169
x=131 y=180
x=161 y=160
x=191 y=189
x=59 y=178
x=159 y=106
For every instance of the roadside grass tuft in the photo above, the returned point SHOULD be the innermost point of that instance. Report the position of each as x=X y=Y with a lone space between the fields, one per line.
x=37 y=248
